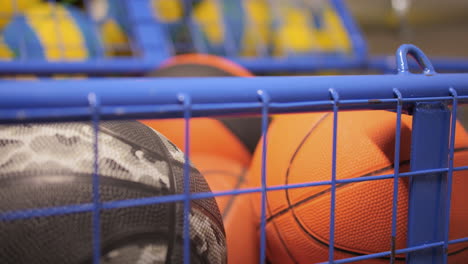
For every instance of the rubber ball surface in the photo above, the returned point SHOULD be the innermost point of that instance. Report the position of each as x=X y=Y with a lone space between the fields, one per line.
x=49 y=165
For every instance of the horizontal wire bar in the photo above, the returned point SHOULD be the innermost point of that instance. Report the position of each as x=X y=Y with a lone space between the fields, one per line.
x=9 y=115
x=457 y=241
x=42 y=212
x=22 y=214
x=387 y=253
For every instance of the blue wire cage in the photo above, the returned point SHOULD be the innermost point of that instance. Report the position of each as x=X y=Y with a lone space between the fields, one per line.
x=431 y=98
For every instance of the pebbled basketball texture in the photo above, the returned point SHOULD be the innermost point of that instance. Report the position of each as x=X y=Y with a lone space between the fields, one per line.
x=48 y=165
x=300 y=151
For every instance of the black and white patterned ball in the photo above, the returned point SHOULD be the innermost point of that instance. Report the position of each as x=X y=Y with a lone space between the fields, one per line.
x=50 y=165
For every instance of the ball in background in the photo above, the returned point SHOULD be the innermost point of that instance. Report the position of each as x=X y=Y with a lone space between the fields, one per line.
x=220 y=148
x=224 y=174
x=53 y=32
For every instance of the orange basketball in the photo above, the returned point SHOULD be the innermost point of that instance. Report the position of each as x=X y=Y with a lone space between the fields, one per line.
x=224 y=174
x=221 y=150
x=300 y=151
x=207 y=136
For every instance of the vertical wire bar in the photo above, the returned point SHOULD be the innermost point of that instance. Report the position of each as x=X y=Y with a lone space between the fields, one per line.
x=265 y=99
x=453 y=92
x=95 y=105
x=335 y=97
x=396 y=173
x=187 y=102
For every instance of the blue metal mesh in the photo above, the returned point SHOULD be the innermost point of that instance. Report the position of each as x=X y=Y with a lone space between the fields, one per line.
x=100 y=99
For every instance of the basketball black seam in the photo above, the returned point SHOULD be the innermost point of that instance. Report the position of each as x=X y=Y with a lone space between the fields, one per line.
x=219 y=222
x=458 y=251
x=268 y=204
x=283 y=211
x=245 y=133
x=133 y=144
x=289 y=201
x=307 y=199
x=239 y=182
x=230 y=203
x=321 y=193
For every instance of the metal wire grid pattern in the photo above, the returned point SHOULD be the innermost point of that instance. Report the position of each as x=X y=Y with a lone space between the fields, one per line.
x=25 y=101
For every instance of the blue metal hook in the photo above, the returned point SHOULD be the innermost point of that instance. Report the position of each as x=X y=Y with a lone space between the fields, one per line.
x=417 y=54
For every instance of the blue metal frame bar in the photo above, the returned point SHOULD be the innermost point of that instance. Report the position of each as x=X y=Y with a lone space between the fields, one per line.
x=308 y=63
x=132 y=97
x=92 y=67
x=429 y=149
